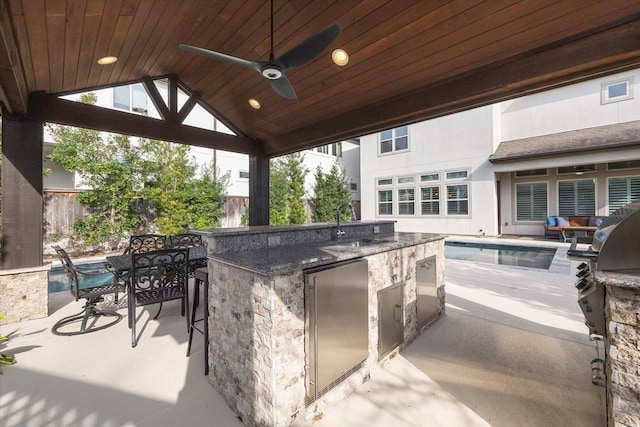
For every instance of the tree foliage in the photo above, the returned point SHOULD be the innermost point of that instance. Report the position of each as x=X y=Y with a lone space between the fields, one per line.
x=120 y=174
x=286 y=193
x=112 y=169
x=331 y=190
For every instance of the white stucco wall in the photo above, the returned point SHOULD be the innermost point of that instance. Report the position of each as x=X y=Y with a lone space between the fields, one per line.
x=459 y=141
x=568 y=108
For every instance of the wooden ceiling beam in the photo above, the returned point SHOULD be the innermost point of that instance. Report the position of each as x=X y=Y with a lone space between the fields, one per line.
x=56 y=110
x=13 y=86
x=556 y=65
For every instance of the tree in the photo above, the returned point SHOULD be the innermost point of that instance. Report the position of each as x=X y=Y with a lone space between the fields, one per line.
x=331 y=190
x=182 y=200
x=278 y=189
x=286 y=193
x=120 y=174
x=168 y=172
x=205 y=197
x=113 y=171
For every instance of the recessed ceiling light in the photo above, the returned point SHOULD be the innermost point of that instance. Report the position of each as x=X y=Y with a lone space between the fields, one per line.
x=254 y=104
x=107 y=60
x=340 y=57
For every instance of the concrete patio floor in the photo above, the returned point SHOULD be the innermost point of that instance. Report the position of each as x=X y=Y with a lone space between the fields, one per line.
x=511 y=350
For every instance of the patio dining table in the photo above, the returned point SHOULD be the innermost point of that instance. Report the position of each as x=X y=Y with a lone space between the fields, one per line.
x=578 y=231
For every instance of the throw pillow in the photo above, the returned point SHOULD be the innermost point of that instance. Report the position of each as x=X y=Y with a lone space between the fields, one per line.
x=562 y=221
x=551 y=221
x=595 y=222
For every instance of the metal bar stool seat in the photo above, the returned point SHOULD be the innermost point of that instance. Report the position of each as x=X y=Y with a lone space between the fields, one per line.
x=202 y=277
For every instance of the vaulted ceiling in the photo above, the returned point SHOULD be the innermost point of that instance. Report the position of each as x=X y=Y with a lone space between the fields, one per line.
x=409 y=60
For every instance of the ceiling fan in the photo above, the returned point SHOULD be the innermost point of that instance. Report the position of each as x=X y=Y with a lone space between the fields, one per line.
x=274 y=68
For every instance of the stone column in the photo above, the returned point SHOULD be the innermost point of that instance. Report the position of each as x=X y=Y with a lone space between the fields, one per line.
x=622 y=309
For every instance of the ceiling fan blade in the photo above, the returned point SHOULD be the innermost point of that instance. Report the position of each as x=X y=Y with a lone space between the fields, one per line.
x=221 y=57
x=310 y=48
x=283 y=88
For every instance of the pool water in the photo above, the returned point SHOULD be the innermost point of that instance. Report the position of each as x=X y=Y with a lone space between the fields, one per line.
x=521 y=256
x=58 y=281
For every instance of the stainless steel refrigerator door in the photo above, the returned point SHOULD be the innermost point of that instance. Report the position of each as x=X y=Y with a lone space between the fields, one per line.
x=336 y=303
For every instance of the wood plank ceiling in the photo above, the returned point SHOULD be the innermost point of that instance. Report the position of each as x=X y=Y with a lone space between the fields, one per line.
x=409 y=60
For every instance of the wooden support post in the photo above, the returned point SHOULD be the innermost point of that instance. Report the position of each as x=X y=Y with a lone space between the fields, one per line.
x=22 y=183
x=258 y=190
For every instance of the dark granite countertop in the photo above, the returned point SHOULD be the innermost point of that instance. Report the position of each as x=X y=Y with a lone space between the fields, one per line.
x=288 y=258
x=621 y=278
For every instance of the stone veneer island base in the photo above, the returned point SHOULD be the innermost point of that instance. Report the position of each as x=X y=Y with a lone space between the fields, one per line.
x=257 y=311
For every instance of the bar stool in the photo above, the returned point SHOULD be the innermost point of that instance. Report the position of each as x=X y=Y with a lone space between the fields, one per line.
x=202 y=277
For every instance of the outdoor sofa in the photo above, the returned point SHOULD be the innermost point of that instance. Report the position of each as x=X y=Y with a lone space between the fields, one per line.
x=553 y=224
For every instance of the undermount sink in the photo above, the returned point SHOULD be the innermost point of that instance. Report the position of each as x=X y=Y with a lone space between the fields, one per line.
x=365 y=242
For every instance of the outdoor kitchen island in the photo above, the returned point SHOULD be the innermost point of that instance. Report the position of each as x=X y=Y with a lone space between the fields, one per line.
x=258 y=342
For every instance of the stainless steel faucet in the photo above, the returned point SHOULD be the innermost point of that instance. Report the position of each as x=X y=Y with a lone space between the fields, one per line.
x=340 y=233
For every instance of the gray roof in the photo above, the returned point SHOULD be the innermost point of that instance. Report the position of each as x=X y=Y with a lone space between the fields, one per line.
x=591 y=139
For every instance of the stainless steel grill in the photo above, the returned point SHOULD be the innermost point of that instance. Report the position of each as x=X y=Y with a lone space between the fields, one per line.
x=615 y=247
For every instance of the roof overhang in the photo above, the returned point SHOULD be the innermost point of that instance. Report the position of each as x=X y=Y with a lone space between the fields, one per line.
x=592 y=145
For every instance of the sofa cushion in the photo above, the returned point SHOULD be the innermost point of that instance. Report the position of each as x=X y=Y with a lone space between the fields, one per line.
x=578 y=221
x=595 y=221
x=562 y=221
x=551 y=221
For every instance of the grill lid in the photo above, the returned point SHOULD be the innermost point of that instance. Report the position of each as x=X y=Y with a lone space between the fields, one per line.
x=617 y=240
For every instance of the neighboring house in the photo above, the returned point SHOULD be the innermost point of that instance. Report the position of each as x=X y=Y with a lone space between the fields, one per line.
x=501 y=169
x=133 y=98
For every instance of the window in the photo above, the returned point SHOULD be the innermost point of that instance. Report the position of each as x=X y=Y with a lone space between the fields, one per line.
x=628 y=164
x=457 y=175
x=430 y=200
x=406 y=179
x=578 y=169
x=623 y=191
x=336 y=149
x=406 y=201
x=131 y=98
x=324 y=149
x=618 y=90
x=531 y=172
x=354 y=186
x=394 y=140
x=577 y=197
x=458 y=199
x=385 y=181
x=244 y=174
x=430 y=177
x=385 y=202
x=531 y=201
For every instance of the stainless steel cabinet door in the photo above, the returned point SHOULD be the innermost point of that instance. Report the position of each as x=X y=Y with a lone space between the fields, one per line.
x=426 y=276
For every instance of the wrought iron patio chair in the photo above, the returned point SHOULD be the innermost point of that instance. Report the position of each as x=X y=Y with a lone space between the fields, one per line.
x=91 y=285
x=189 y=240
x=156 y=277
x=185 y=240
x=145 y=243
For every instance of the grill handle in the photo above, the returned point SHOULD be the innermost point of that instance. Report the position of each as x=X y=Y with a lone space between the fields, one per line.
x=579 y=255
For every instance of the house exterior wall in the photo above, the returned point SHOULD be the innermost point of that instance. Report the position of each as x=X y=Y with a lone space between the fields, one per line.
x=456 y=142
x=467 y=139
x=568 y=108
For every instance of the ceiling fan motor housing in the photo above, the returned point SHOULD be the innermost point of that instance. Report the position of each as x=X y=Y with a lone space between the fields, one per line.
x=271 y=72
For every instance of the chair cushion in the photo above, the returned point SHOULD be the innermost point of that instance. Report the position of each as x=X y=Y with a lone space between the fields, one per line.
x=552 y=221
x=562 y=221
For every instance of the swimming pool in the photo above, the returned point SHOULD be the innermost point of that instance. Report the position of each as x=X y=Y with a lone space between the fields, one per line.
x=58 y=281
x=521 y=256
